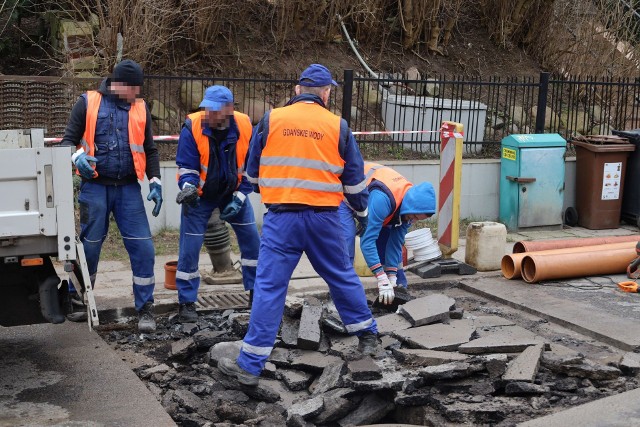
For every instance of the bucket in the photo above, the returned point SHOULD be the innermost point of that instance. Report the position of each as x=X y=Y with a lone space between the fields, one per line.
x=485 y=245
x=359 y=263
x=170 y=269
x=422 y=244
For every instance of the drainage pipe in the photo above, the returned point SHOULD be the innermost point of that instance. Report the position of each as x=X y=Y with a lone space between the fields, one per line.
x=511 y=264
x=353 y=48
x=537 y=267
x=542 y=245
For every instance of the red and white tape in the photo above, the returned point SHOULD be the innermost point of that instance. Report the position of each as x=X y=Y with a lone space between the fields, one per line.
x=445 y=134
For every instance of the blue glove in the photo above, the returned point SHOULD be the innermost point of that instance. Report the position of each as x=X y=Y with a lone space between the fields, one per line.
x=155 y=194
x=362 y=224
x=233 y=207
x=83 y=163
x=188 y=195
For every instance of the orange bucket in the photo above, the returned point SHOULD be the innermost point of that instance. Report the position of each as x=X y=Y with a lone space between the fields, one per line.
x=170 y=269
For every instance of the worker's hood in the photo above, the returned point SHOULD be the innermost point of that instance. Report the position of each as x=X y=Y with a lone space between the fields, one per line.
x=419 y=199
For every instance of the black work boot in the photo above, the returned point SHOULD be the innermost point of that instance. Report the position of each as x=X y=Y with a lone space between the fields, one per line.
x=368 y=343
x=146 y=322
x=230 y=367
x=250 y=298
x=77 y=310
x=187 y=313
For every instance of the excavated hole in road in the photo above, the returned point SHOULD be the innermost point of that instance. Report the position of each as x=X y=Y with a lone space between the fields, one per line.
x=418 y=378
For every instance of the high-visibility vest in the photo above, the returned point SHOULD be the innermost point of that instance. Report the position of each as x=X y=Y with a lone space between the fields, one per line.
x=137 y=124
x=394 y=185
x=301 y=162
x=242 y=146
x=202 y=142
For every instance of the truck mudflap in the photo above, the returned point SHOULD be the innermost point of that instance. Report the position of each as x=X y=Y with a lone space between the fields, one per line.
x=79 y=274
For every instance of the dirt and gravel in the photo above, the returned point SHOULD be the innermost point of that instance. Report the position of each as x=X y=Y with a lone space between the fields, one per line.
x=335 y=385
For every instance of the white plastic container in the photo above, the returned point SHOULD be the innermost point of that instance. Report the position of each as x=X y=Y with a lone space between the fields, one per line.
x=422 y=244
x=486 y=242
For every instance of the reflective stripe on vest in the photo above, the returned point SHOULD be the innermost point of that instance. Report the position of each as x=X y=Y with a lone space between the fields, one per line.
x=242 y=146
x=388 y=180
x=300 y=162
x=137 y=123
x=202 y=142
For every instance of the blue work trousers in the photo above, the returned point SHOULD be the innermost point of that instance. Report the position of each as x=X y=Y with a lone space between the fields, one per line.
x=349 y=231
x=193 y=225
x=97 y=202
x=285 y=236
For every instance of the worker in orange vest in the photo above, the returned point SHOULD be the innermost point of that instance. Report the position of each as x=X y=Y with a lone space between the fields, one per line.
x=212 y=149
x=394 y=204
x=303 y=160
x=112 y=130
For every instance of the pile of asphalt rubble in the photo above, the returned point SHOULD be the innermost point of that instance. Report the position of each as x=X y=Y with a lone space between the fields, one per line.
x=436 y=365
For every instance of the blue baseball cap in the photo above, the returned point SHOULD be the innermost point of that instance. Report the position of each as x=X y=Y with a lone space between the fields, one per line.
x=316 y=75
x=216 y=97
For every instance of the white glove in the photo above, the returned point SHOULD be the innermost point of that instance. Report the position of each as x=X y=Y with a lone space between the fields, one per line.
x=385 y=290
x=393 y=279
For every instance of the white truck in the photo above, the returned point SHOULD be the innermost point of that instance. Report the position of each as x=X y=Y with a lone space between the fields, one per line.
x=36 y=225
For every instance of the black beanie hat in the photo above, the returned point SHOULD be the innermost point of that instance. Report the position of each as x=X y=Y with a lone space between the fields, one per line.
x=128 y=72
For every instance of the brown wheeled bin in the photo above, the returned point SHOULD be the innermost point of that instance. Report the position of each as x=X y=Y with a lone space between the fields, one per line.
x=600 y=170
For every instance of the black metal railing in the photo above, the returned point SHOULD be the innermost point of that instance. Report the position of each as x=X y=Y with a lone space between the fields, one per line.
x=393 y=117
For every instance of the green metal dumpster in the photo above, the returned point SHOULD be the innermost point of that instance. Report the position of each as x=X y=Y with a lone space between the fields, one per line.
x=532 y=180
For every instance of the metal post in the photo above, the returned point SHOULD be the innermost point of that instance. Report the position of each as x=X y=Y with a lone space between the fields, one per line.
x=347 y=93
x=543 y=90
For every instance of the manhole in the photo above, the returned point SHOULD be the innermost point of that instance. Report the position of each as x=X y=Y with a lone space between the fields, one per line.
x=223 y=301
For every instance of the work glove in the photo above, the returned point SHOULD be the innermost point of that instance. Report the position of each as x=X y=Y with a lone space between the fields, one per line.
x=85 y=164
x=393 y=280
x=188 y=195
x=385 y=290
x=155 y=194
x=363 y=221
x=233 y=207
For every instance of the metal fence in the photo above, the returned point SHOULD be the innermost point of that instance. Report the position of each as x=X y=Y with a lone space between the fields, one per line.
x=394 y=117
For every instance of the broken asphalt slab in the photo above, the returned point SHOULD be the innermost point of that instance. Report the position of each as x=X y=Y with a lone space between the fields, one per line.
x=589 y=313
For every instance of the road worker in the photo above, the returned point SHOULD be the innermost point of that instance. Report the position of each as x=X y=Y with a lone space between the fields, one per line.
x=303 y=160
x=394 y=204
x=212 y=150
x=112 y=130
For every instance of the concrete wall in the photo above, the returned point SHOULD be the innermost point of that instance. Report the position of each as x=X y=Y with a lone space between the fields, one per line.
x=479 y=194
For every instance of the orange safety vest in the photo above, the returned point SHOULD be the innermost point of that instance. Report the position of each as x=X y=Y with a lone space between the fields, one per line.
x=300 y=162
x=202 y=142
x=137 y=124
x=388 y=180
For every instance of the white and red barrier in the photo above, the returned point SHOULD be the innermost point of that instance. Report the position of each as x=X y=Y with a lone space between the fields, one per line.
x=450 y=181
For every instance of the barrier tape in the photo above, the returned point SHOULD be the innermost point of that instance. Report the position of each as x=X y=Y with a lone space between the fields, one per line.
x=445 y=134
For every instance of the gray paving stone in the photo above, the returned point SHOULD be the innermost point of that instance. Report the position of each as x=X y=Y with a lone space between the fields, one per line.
x=448 y=371
x=309 y=334
x=630 y=363
x=295 y=380
x=336 y=406
x=426 y=310
x=391 y=380
x=330 y=378
x=307 y=408
x=418 y=357
x=496 y=364
x=289 y=331
x=183 y=348
x=391 y=323
x=311 y=361
x=228 y=349
x=342 y=346
x=437 y=337
x=364 y=369
x=524 y=389
x=497 y=344
x=525 y=366
x=372 y=409
x=205 y=339
x=293 y=306
x=388 y=342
